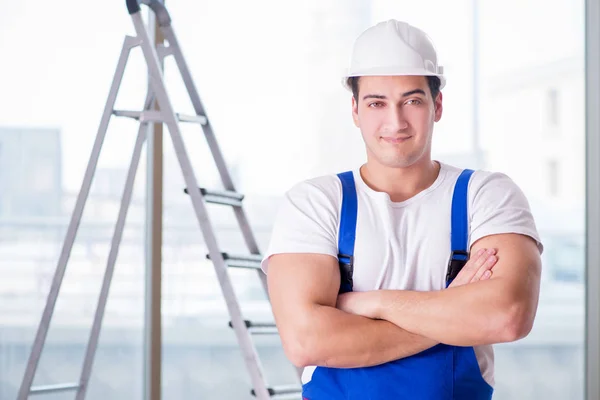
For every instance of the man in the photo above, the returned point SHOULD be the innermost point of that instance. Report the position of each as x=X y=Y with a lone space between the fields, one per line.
x=363 y=267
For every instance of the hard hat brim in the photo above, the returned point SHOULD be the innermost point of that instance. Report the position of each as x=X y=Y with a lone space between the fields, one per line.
x=386 y=71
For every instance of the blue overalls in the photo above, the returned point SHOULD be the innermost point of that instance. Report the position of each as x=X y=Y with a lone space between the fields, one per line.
x=442 y=372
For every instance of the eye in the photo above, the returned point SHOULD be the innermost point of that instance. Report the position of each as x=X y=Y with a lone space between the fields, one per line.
x=415 y=102
x=375 y=104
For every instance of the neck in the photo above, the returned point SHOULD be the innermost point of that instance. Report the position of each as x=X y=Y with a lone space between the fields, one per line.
x=400 y=183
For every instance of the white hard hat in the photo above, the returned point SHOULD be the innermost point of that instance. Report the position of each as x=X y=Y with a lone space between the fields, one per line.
x=394 y=48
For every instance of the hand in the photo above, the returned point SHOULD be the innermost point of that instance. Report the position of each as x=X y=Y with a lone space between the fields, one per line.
x=359 y=303
x=478 y=268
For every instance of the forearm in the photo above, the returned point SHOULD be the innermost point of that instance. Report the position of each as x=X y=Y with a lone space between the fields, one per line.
x=334 y=338
x=475 y=314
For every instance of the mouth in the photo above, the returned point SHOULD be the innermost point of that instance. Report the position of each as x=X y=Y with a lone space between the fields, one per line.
x=396 y=140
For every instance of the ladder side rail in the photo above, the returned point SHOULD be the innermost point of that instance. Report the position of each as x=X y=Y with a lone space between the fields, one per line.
x=92 y=344
x=249 y=352
x=44 y=325
x=239 y=212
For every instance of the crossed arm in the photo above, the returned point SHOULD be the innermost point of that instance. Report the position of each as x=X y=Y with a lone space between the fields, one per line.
x=371 y=328
x=501 y=309
x=303 y=289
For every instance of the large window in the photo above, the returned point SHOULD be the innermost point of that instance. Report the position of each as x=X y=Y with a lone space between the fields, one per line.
x=532 y=83
x=54 y=87
x=269 y=75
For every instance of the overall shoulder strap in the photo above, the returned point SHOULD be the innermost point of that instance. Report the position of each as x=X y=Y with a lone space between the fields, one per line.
x=459 y=233
x=347 y=232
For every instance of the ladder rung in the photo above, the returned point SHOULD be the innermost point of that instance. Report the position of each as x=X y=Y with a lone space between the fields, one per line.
x=251 y=324
x=259 y=328
x=128 y=114
x=263 y=331
x=226 y=197
x=54 y=388
x=156 y=116
x=282 y=390
x=251 y=261
x=198 y=119
x=289 y=396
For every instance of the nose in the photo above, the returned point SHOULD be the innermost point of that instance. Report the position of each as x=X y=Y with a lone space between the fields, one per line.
x=396 y=120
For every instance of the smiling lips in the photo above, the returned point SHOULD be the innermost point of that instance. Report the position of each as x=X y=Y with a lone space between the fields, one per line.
x=396 y=140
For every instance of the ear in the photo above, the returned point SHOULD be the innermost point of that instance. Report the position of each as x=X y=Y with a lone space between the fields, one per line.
x=355 y=112
x=438 y=107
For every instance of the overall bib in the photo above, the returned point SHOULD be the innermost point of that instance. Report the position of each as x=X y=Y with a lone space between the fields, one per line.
x=442 y=372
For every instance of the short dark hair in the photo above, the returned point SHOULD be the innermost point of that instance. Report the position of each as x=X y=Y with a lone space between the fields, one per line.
x=433 y=82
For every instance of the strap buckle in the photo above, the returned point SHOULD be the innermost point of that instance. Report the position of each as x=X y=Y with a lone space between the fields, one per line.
x=458 y=259
x=346 y=272
x=350 y=259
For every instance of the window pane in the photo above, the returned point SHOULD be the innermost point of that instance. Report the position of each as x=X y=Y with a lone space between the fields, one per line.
x=53 y=92
x=537 y=66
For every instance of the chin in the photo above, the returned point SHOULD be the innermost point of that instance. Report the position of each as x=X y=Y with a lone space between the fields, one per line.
x=397 y=162
x=397 y=159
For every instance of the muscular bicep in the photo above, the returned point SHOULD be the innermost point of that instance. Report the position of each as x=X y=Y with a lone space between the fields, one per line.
x=298 y=283
x=518 y=258
x=517 y=273
x=501 y=219
x=303 y=280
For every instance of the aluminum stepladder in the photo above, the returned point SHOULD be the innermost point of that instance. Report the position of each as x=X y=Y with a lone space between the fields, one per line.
x=199 y=197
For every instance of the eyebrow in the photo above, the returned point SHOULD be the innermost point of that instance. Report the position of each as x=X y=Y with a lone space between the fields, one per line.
x=382 y=97
x=416 y=91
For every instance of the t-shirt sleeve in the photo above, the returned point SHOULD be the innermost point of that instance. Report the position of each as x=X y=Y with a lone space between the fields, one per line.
x=306 y=222
x=498 y=205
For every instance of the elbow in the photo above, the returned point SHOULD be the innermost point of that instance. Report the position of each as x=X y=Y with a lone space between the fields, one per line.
x=304 y=338
x=299 y=348
x=297 y=352
x=516 y=323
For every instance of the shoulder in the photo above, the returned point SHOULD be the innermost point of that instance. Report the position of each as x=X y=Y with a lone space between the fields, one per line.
x=318 y=198
x=491 y=191
x=482 y=180
x=494 y=187
x=324 y=189
x=307 y=218
x=498 y=205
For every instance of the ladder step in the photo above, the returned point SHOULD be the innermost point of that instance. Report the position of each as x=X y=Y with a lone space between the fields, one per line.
x=226 y=197
x=251 y=261
x=127 y=114
x=54 y=388
x=282 y=390
x=156 y=116
x=259 y=328
x=196 y=119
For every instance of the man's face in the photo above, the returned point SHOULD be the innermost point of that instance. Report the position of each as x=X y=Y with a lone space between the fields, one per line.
x=396 y=115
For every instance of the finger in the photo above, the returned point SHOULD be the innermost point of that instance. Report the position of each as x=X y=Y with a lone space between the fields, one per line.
x=475 y=263
x=487 y=265
x=486 y=275
x=468 y=271
x=486 y=262
x=482 y=258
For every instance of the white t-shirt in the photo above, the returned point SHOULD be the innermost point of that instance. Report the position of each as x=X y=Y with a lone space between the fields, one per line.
x=400 y=245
